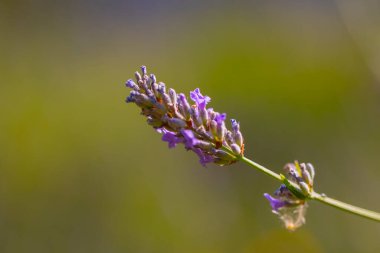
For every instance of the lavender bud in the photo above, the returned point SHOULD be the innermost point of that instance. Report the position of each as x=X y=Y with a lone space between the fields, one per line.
x=294 y=176
x=132 y=97
x=238 y=137
x=306 y=175
x=143 y=70
x=305 y=188
x=167 y=100
x=204 y=145
x=195 y=116
x=143 y=100
x=131 y=84
x=137 y=76
x=155 y=90
x=229 y=138
x=213 y=127
x=204 y=116
x=173 y=96
x=153 y=79
x=236 y=149
x=211 y=113
x=235 y=126
x=289 y=167
x=176 y=123
x=184 y=106
x=220 y=131
x=311 y=170
x=161 y=88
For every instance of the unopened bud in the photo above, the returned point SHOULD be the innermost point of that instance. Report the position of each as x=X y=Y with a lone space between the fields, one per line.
x=137 y=76
x=176 y=123
x=311 y=170
x=304 y=188
x=306 y=175
x=195 y=116
x=236 y=149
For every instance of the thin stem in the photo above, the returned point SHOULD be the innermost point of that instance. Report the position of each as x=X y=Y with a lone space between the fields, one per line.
x=320 y=197
x=261 y=168
x=347 y=207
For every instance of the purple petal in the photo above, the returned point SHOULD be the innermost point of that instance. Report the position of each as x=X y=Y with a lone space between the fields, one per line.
x=203 y=157
x=199 y=99
x=275 y=203
x=190 y=139
x=235 y=125
x=171 y=138
x=220 y=118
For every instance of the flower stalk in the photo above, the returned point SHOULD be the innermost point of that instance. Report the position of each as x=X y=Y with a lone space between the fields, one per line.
x=204 y=132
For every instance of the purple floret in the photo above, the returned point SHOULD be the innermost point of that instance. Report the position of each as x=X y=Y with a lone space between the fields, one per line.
x=235 y=125
x=171 y=139
x=199 y=99
x=190 y=139
x=220 y=118
x=275 y=203
x=203 y=157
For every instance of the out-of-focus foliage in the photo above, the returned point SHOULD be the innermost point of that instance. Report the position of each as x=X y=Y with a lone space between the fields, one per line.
x=80 y=171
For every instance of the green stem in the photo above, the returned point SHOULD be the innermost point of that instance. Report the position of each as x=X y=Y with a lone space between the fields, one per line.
x=316 y=196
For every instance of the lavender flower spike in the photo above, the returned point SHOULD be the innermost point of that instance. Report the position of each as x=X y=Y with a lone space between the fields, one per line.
x=201 y=130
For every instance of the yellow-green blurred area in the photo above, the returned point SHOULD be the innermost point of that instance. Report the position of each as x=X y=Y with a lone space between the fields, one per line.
x=81 y=171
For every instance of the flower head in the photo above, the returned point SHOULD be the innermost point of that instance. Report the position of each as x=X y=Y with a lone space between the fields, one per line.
x=201 y=130
x=289 y=205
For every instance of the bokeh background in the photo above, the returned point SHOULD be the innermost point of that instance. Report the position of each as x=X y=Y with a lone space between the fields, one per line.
x=80 y=171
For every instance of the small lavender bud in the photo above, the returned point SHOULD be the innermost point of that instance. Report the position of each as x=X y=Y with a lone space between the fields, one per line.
x=213 y=127
x=235 y=126
x=176 y=123
x=143 y=100
x=153 y=78
x=294 y=176
x=184 y=106
x=205 y=134
x=238 y=137
x=204 y=116
x=173 y=96
x=167 y=100
x=161 y=88
x=131 y=84
x=230 y=140
x=304 y=188
x=132 y=97
x=289 y=167
x=236 y=149
x=311 y=170
x=195 y=116
x=306 y=175
x=155 y=90
x=137 y=76
x=143 y=70
x=220 y=131
x=204 y=145
x=211 y=113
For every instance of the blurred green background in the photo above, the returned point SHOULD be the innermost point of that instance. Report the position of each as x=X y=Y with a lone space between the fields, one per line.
x=81 y=171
